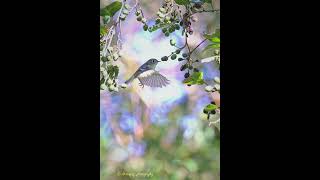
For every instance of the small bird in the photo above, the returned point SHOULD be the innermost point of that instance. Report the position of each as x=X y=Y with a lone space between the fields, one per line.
x=198 y=3
x=147 y=75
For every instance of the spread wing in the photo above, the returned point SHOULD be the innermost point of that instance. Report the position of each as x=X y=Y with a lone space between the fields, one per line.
x=153 y=79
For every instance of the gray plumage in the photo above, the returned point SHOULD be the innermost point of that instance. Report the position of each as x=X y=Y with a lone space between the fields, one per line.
x=147 y=75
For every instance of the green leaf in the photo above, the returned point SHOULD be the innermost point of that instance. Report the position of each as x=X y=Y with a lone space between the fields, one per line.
x=111 y=9
x=195 y=78
x=215 y=45
x=106 y=19
x=102 y=81
x=212 y=37
x=217 y=33
x=182 y=2
x=215 y=37
x=116 y=71
x=102 y=30
x=200 y=82
x=211 y=107
x=208 y=1
x=215 y=40
x=212 y=46
x=113 y=71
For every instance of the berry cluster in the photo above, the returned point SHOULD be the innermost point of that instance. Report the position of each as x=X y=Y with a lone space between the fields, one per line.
x=187 y=66
x=108 y=72
x=186 y=23
x=142 y=19
x=167 y=19
x=125 y=11
x=215 y=87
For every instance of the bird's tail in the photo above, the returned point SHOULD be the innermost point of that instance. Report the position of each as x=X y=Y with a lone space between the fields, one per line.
x=129 y=80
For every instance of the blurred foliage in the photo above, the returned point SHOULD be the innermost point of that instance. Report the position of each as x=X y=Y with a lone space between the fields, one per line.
x=178 y=158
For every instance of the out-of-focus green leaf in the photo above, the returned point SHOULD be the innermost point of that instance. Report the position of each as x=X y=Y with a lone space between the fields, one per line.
x=215 y=45
x=182 y=2
x=191 y=165
x=215 y=40
x=195 y=78
x=215 y=37
x=217 y=33
x=111 y=9
x=208 y=1
x=212 y=46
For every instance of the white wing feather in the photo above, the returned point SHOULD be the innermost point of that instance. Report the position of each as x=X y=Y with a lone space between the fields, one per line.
x=153 y=78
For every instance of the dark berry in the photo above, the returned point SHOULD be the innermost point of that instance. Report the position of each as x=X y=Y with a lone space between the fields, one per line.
x=186 y=75
x=195 y=70
x=177 y=26
x=181 y=23
x=145 y=27
x=213 y=112
x=205 y=111
x=177 y=51
x=164 y=30
x=104 y=59
x=183 y=67
x=173 y=56
x=164 y=58
x=188 y=84
x=212 y=102
x=167 y=34
x=180 y=59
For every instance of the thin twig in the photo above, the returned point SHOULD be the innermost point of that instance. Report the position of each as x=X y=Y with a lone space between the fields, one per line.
x=198 y=46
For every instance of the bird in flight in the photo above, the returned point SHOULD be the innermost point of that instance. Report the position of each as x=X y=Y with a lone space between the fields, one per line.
x=147 y=75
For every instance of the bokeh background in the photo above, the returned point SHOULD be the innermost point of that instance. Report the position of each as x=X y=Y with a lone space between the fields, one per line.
x=162 y=131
